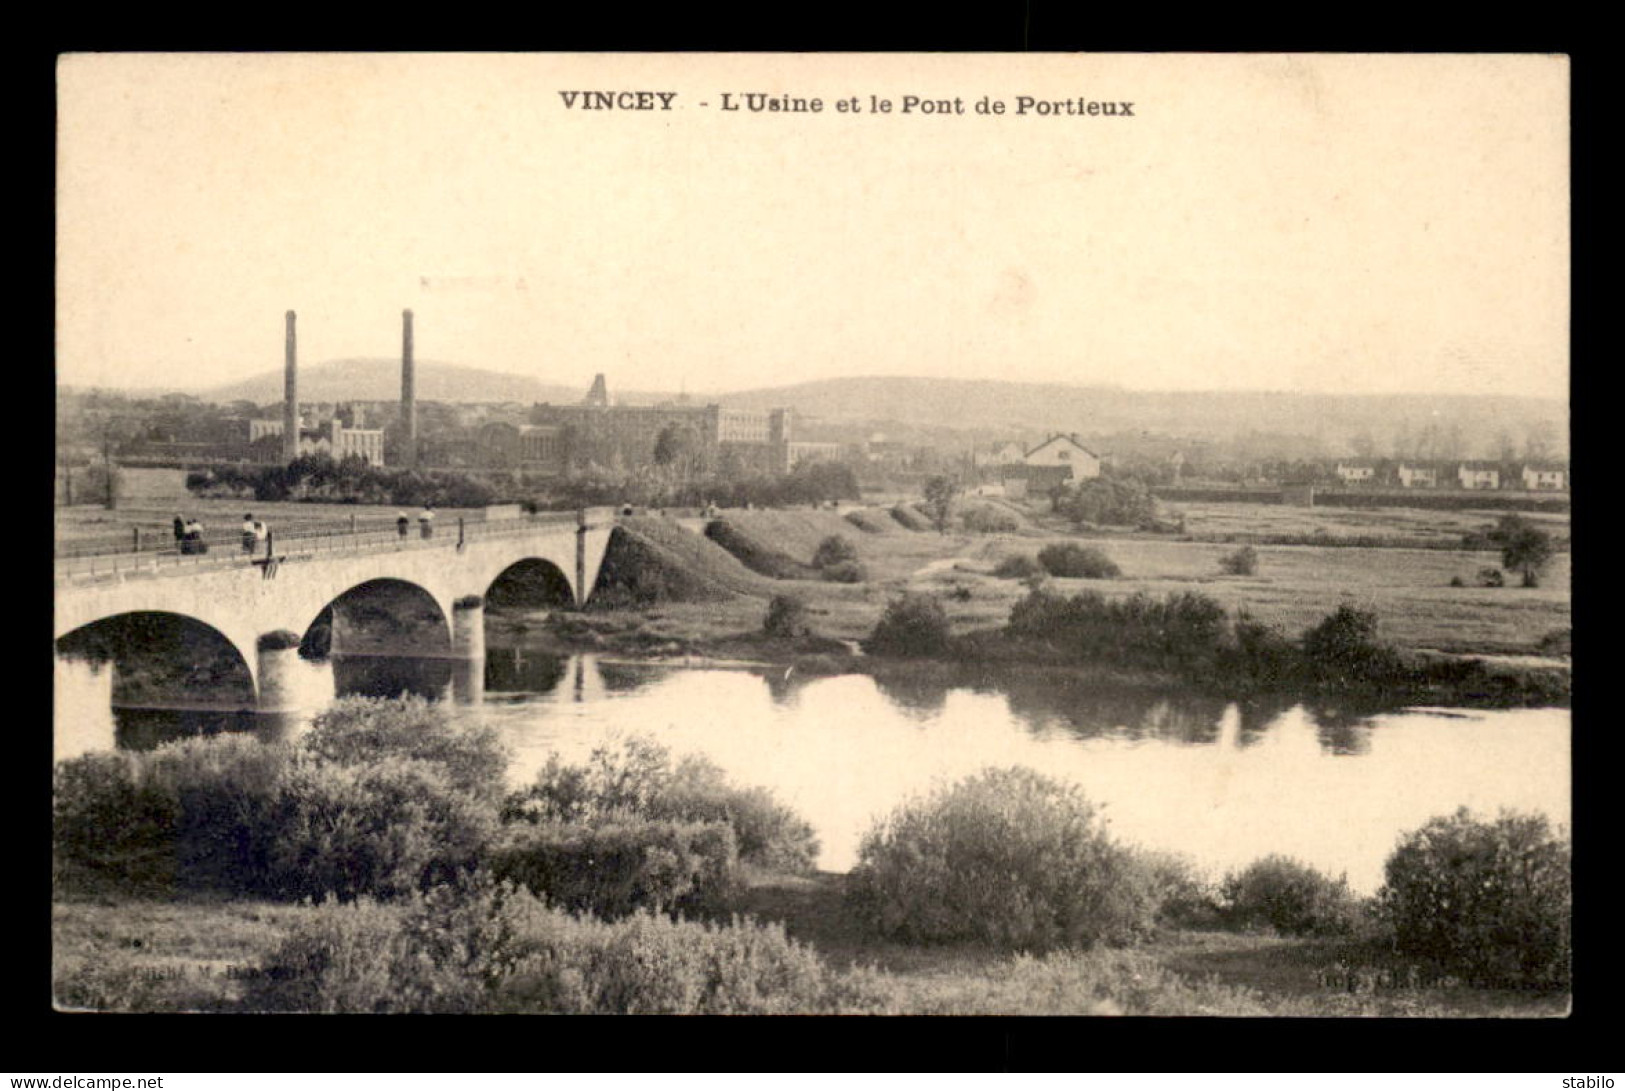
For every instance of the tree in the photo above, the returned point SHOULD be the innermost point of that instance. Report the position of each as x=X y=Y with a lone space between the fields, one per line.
x=940 y=491
x=1525 y=548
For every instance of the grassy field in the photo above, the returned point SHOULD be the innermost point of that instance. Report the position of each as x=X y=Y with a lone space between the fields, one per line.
x=1293 y=588
x=1209 y=520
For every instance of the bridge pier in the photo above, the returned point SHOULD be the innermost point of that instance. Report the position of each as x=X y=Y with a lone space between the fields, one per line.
x=468 y=650
x=279 y=712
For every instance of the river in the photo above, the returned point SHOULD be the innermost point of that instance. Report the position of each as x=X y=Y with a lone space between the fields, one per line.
x=1221 y=782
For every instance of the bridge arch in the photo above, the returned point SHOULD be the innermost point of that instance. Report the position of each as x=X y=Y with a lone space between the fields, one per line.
x=531 y=582
x=162 y=658
x=384 y=616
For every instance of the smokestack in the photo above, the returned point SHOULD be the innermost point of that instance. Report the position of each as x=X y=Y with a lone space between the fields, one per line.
x=290 y=396
x=409 y=405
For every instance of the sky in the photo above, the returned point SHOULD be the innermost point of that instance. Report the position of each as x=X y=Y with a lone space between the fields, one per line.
x=1325 y=223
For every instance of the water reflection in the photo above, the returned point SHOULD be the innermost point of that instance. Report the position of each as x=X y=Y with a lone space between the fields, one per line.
x=1088 y=710
x=920 y=696
x=391 y=676
x=619 y=676
x=147 y=728
x=516 y=670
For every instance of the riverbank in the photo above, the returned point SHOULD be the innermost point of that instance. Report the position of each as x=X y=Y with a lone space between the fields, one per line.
x=990 y=657
x=128 y=952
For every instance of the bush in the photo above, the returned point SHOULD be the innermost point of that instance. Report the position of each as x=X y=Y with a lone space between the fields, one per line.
x=1019 y=567
x=834 y=550
x=1108 y=500
x=1343 y=650
x=845 y=572
x=235 y=815
x=361 y=730
x=1290 y=897
x=490 y=948
x=1457 y=581
x=1243 y=562
x=1007 y=857
x=613 y=868
x=1490 y=900
x=913 y=625
x=637 y=778
x=986 y=519
x=1067 y=559
x=786 y=617
x=1183 y=632
x=1491 y=577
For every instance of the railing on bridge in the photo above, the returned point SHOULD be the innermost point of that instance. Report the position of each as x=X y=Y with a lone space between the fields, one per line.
x=306 y=542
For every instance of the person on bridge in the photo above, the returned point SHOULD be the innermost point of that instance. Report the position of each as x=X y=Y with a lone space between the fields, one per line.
x=193 y=541
x=180 y=530
x=249 y=536
x=402 y=522
x=426 y=521
x=261 y=533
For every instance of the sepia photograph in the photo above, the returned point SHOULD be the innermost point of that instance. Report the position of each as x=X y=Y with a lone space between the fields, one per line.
x=1072 y=534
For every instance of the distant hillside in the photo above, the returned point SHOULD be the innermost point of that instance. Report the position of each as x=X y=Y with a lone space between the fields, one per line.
x=379 y=379
x=991 y=405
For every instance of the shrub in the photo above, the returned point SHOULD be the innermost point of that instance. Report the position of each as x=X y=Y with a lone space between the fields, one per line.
x=834 y=550
x=786 y=617
x=1067 y=559
x=1457 y=581
x=986 y=519
x=637 y=778
x=1184 y=631
x=1343 y=650
x=106 y=820
x=384 y=829
x=612 y=868
x=360 y=730
x=767 y=833
x=1262 y=656
x=1243 y=562
x=493 y=948
x=1290 y=897
x=845 y=572
x=1491 y=577
x=1019 y=567
x=1181 y=896
x=1108 y=500
x=912 y=625
x=1008 y=857
x=1491 y=900
x=236 y=815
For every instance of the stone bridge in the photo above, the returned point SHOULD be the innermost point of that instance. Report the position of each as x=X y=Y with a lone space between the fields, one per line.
x=263 y=605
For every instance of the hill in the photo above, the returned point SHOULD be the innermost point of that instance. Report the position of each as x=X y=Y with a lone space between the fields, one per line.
x=379 y=379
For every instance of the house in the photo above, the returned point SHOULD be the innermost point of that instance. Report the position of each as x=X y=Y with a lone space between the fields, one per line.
x=1544 y=476
x=1479 y=475
x=1065 y=451
x=1415 y=475
x=1022 y=480
x=1357 y=473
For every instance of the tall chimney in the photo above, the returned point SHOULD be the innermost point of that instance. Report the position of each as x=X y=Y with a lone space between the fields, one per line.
x=409 y=405
x=290 y=396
